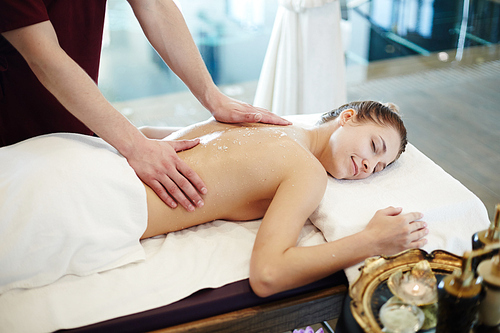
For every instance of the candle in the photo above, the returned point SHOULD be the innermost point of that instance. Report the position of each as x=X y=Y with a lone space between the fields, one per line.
x=415 y=289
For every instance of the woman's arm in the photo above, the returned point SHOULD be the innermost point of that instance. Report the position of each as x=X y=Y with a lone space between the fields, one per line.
x=155 y=162
x=277 y=264
x=165 y=28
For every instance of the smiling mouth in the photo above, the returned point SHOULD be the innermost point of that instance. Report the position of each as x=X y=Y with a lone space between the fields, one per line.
x=355 y=167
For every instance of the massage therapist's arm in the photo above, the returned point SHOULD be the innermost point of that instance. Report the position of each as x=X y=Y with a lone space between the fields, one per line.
x=155 y=162
x=277 y=264
x=166 y=30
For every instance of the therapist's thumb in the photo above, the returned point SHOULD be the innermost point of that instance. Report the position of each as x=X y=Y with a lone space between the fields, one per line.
x=180 y=145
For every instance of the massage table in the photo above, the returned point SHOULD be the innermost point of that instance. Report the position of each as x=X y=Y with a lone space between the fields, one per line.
x=197 y=279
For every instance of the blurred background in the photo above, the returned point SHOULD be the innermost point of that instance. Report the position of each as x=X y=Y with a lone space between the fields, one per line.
x=439 y=60
x=232 y=36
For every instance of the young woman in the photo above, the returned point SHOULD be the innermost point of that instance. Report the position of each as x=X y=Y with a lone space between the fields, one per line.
x=280 y=174
x=252 y=171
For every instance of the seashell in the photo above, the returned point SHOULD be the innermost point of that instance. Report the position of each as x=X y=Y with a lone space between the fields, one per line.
x=418 y=286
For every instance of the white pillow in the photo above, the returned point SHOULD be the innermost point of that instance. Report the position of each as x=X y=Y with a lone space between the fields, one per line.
x=414 y=182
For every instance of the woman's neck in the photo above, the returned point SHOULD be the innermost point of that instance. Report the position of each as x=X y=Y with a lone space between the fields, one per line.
x=318 y=137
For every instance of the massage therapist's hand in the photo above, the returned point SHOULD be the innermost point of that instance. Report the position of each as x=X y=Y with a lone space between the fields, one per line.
x=393 y=232
x=229 y=110
x=157 y=164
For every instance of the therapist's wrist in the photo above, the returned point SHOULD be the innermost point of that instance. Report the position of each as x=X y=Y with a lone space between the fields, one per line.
x=212 y=99
x=128 y=142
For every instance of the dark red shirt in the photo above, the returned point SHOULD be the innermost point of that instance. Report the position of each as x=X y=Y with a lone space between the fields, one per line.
x=27 y=109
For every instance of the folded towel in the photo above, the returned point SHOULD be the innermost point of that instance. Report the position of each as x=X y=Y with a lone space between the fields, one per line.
x=52 y=223
x=417 y=184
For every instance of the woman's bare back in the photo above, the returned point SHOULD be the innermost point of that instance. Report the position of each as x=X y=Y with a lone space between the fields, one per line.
x=241 y=165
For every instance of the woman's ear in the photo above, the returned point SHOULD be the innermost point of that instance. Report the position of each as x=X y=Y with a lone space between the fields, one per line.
x=346 y=115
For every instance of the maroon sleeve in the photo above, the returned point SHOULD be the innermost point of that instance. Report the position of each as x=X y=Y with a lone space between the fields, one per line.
x=16 y=14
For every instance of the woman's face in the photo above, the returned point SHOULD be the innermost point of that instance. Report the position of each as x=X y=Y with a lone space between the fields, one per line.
x=357 y=150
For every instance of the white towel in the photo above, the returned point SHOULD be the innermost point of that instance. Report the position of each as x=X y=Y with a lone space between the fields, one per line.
x=413 y=182
x=67 y=206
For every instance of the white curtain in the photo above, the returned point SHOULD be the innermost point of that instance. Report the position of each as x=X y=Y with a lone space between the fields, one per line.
x=304 y=67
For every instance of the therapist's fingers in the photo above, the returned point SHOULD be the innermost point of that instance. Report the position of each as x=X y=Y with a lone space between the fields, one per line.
x=180 y=145
x=252 y=115
x=271 y=118
x=180 y=181
x=173 y=185
x=158 y=165
x=234 y=111
x=160 y=191
x=187 y=172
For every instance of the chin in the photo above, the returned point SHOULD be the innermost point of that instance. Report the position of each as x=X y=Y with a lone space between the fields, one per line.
x=336 y=175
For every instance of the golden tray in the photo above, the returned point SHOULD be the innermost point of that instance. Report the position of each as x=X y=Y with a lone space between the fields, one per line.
x=370 y=291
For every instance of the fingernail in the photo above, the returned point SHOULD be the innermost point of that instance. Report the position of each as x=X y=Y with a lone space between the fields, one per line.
x=204 y=190
x=200 y=203
x=191 y=208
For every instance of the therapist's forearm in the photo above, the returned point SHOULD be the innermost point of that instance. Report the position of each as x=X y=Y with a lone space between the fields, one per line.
x=72 y=86
x=78 y=93
x=167 y=31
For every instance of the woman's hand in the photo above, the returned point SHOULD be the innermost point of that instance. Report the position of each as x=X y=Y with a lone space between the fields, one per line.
x=157 y=164
x=392 y=232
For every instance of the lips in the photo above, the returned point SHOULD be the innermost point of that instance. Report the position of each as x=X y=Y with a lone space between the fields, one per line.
x=355 y=167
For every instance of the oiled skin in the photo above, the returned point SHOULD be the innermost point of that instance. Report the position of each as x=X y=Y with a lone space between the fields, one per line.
x=242 y=166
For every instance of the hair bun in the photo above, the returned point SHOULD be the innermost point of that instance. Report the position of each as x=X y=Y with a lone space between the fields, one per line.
x=393 y=107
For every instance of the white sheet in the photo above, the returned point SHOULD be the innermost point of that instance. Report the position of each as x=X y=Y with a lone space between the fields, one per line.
x=206 y=256
x=67 y=206
x=218 y=253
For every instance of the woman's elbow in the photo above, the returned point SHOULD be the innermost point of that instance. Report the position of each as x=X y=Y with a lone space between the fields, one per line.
x=264 y=281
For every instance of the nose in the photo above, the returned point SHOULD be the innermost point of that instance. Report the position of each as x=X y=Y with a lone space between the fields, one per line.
x=368 y=165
